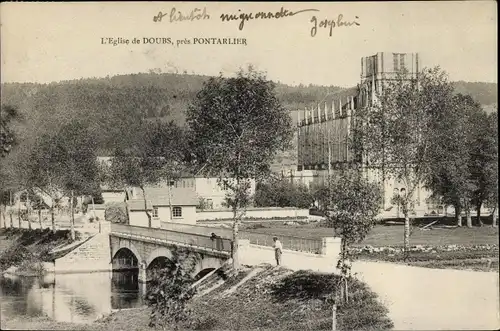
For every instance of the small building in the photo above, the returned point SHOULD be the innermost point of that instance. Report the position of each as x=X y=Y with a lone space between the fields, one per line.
x=207 y=188
x=158 y=202
x=110 y=194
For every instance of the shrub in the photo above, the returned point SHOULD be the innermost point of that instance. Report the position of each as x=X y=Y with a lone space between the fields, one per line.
x=116 y=213
x=282 y=193
x=170 y=291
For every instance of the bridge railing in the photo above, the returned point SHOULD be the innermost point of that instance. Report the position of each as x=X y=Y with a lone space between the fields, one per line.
x=288 y=242
x=198 y=229
x=190 y=239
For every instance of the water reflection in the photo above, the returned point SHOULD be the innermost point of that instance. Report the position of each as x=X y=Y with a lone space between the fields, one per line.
x=77 y=298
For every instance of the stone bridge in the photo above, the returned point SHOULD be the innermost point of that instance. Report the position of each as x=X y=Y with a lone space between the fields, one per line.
x=146 y=248
x=134 y=247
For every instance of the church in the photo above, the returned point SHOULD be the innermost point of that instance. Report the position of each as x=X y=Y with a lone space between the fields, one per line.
x=323 y=130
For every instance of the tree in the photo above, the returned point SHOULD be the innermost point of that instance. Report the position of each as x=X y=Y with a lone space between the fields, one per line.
x=484 y=160
x=156 y=156
x=78 y=161
x=350 y=204
x=170 y=290
x=42 y=171
x=8 y=115
x=237 y=125
x=37 y=204
x=394 y=134
x=64 y=164
x=449 y=175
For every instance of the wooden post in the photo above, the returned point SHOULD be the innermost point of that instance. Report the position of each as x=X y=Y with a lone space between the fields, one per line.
x=72 y=217
x=334 y=316
x=170 y=202
x=40 y=217
x=28 y=209
x=19 y=212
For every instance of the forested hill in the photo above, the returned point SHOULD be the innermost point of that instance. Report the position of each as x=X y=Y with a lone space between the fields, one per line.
x=168 y=94
x=155 y=94
x=485 y=93
x=104 y=101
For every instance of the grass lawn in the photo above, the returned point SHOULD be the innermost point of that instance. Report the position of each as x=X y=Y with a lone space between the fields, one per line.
x=382 y=235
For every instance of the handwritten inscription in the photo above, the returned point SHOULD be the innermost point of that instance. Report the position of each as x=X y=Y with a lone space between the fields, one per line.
x=177 y=16
x=332 y=24
x=243 y=17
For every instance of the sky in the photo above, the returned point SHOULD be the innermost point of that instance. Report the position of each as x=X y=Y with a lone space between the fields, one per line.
x=46 y=42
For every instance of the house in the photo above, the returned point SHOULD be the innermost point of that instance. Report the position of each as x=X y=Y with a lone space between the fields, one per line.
x=110 y=194
x=158 y=201
x=208 y=189
x=204 y=184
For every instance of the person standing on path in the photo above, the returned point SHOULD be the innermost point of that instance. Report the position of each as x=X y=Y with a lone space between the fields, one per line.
x=277 y=250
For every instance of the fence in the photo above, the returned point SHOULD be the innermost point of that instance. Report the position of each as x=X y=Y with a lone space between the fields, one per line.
x=190 y=239
x=288 y=242
x=256 y=213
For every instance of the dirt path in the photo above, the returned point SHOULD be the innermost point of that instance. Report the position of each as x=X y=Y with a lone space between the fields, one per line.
x=434 y=299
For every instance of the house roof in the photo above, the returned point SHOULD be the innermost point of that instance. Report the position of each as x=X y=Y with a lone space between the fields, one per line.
x=107 y=188
x=180 y=196
x=138 y=204
x=159 y=196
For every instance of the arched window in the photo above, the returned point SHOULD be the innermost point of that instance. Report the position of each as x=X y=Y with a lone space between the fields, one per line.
x=177 y=212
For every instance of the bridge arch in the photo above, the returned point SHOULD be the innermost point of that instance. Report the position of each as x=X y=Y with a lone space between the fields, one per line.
x=159 y=252
x=207 y=263
x=127 y=245
x=202 y=265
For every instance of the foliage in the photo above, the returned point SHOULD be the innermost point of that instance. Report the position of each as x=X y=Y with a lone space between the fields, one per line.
x=170 y=291
x=156 y=155
x=203 y=204
x=449 y=175
x=350 y=203
x=8 y=114
x=282 y=193
x=351 y=206
x=8 y=139
x=484 y=161
x=116 y=212
x=395 y=135
x=237 y=125
x=63 y=163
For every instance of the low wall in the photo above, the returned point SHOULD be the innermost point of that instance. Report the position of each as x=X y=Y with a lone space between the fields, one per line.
x=221 y=214
x=325 y=262
x=94 y=255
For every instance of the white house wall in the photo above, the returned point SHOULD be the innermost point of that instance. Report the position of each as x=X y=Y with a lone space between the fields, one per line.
x=139 y=218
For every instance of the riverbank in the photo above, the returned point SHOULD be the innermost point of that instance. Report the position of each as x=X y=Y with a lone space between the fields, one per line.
x=263 y=297
x=24 y=251
x=130 y=320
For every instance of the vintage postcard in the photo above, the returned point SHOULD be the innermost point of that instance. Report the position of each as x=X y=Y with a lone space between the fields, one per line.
x=249 y=166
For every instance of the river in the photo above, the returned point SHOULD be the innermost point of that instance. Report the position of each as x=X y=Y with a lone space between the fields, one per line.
x=75 y=298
